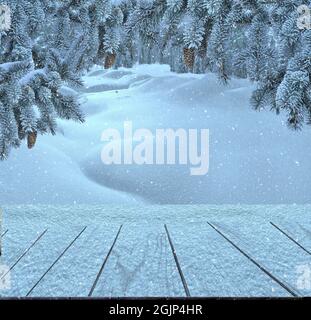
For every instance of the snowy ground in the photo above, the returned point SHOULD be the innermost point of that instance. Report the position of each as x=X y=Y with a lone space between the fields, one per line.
x=254 y=158
x=141 y=262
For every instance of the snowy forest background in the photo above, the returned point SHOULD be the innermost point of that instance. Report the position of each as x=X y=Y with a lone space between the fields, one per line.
x=52 y=45
x=72 y=69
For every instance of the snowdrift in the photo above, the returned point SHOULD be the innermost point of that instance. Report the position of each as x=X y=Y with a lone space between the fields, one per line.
x=254 y=157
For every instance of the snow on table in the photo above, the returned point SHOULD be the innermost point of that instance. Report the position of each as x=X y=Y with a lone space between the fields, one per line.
x=120 y=251
x=141 y=264
x=214 y=268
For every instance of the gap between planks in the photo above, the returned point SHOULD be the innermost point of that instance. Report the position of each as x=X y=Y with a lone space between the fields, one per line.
x=4 y=233
x=263 y=269
x=54 y=263
x=182 y=277
x=24 y=254
x=290 y=238
x=104 y=263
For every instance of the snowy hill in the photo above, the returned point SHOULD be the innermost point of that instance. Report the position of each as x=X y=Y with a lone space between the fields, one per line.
x=254 y=157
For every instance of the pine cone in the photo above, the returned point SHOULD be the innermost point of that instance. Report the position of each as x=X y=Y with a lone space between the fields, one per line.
x=110 y=60
x=189 y=57
x=31 y=139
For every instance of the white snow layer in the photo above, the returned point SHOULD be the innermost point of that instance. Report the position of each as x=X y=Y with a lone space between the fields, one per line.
x=254 y=157
x=141 y=263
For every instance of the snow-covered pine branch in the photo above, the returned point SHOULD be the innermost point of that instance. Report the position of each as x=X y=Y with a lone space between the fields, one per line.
x=51 y=44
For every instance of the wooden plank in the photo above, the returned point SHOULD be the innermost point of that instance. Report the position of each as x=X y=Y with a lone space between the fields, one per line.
x=270 y=248
x=104 y=263
x=55 y=262
x=290 y=237
x=256 y=263
x=213 y=267
x=76 y=271
x=141 y=265
x=25 y=252
x=16 y=241
x=20 y=258
x=301 y=233
x=27 y=273
x=181 y=274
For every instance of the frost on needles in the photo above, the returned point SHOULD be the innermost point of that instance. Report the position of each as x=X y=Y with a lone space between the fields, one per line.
x=52 y=43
